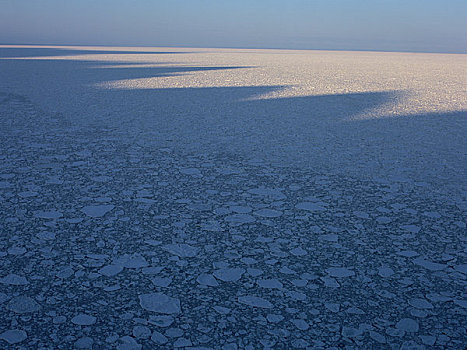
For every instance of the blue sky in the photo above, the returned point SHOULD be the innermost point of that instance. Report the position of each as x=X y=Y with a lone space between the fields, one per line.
x=389 y=25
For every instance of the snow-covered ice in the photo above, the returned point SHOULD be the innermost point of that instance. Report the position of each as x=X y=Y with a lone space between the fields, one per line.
x=235 y=199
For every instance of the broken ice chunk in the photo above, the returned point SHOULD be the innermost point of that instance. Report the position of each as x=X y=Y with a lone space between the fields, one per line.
x=13 y=336
x=298 y=251
x=111 y=270
x=52 y=214
x=207 y=280
x=159 y=302
x=161 y=320
x=229 y=274
x=254 y=301
x=270 y=284
x=340 y=272
x=385 y=272
x=96 y=211
x=300 y=324
x=83 y=320
x=23 y=304
x=14 y=279
x=407 y=325
x=420 y=303
x=429 y=265
x=182 y=250
x=161 y=281
x=268 y=213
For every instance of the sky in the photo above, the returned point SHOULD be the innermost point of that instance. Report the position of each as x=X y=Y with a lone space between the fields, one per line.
x=381 y=25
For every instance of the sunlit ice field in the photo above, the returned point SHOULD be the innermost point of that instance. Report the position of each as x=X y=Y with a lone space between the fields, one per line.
x=385 y=115
x=227 y=198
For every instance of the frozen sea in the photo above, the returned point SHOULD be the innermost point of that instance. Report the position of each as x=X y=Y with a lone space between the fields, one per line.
x=232 y=199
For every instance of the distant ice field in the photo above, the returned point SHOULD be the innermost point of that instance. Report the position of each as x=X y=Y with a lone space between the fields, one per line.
x=370 y=114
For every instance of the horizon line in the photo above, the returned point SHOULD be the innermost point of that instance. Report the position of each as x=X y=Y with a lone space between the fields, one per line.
x=244 y=48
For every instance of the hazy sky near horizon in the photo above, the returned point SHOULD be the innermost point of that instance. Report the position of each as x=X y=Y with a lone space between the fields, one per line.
x=389 y=25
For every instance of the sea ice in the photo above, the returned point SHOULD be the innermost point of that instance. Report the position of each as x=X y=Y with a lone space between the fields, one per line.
x=385 y=272
x=408 y=253
x=191 y=171
x=206 y=181
x=239 y=209
x=462 y=268
x=162 y=281
x=240 y=218
x=330 y=282
x=5 y=184
x=407 y=325
x=111 y=270
x=296 y=295
x=46 y=236
x=460 y=302
x=84 y=343
x=161 y=320
x=361 y=214
x=159 y=302
x=207 y=280
x=65 y=272
x=222 y=310
x=270 y=283
x=248 y=261
x=83 y=320
x=298 y=251
x=52 y=214
x=97 y=211
x=23 y=304
x=254 y=272
x=300 y=324
x=310 y=206
x=273 y=318
x=182 y=250
x=331 y=237
x=420 y=303
x=141 y=332
x=255 y=301
x=229 y=274
x=134 y=261
x=153 y=242
x=3 y=297
x=377 y=337
x=350 y=332
x=182 y=343
x=411 y=228
x=429 y=265
x=16 y=251
x=128 y=343
x=159 y=338
x=268 y=192
x=333 y=307
x=14 y=279
x=13 y=336
x=339 y=272
x=268 y=213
